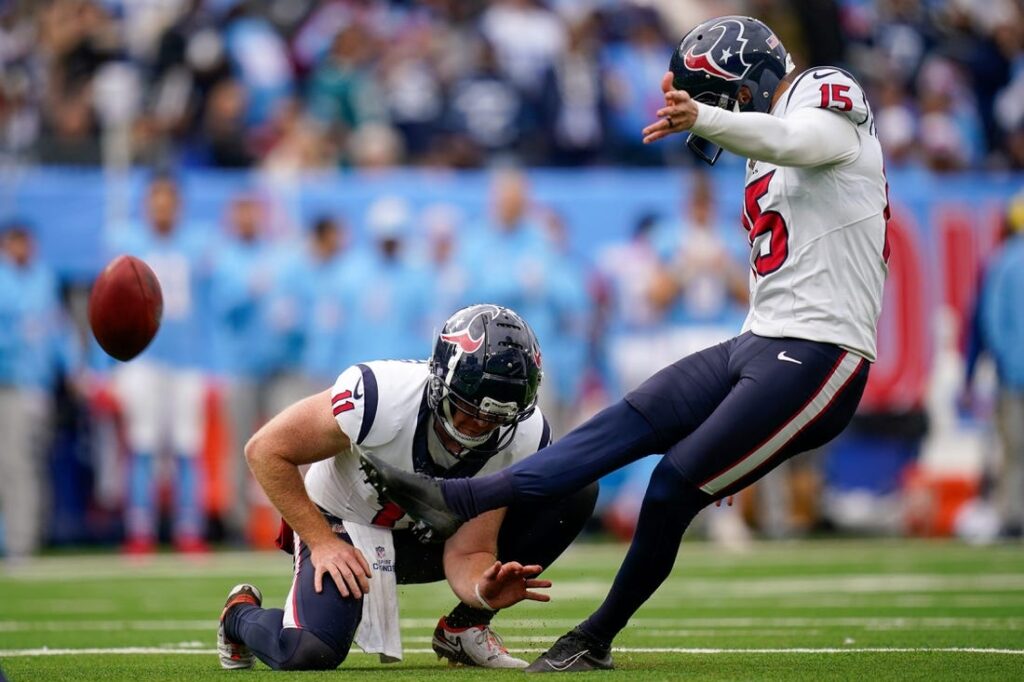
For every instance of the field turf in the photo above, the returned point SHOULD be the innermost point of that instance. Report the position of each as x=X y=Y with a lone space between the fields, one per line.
x=814 y=610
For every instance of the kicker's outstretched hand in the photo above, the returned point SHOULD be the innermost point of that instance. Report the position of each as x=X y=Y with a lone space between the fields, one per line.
x=677 y=116
x=503 y=585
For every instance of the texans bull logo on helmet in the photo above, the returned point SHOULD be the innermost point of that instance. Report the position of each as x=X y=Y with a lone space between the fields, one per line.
x=713 y=60
x=463 y=338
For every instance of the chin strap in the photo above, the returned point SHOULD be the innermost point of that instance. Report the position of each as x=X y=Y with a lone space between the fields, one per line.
x=702 y=147
x=461 y=438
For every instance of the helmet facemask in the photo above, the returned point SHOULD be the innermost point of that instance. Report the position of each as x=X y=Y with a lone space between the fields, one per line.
x=506 y=417
x=707 y=150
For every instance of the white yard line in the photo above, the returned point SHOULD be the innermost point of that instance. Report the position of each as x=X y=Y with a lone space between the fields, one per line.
x=817 y=585
x=11 y=653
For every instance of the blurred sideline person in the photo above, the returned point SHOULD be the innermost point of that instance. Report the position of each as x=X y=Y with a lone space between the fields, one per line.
x=46 y=352
x=629 y=268
x=18 y=500
x=449 y=275
x=815 y=208
x=240 y=286
x=512 y=262
x=383 y=294
x=162 y=391
x=571 y=306
x=300 y=273
x=470 y=410
x=308 y=285
x=699 y=273
x=27 y=297
x=1002 y=325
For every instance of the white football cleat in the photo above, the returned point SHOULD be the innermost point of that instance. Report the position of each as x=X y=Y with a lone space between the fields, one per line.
x=233 y=655
x=478 y=645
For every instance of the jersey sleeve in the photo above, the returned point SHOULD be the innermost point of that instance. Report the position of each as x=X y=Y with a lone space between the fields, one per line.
x=533 y=434
x=831 y=88
x=802 y=138
x=354 y=401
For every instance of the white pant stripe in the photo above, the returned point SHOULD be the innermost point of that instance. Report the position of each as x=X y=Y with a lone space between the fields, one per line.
x=842 y=374
x=288 y=619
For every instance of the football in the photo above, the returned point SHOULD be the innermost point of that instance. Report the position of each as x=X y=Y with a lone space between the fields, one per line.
x=125 y=307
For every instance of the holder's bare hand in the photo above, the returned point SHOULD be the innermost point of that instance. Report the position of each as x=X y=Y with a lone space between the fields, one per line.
x=506 y=584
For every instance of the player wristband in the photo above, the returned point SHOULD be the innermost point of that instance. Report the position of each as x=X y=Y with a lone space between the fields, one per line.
x=479 y=598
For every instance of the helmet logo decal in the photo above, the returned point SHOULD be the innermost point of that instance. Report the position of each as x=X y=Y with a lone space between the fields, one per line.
x=706 y=62
x=463 y=338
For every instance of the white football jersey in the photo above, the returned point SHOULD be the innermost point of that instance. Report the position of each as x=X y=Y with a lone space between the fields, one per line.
x=382 y=408
x=818 y=234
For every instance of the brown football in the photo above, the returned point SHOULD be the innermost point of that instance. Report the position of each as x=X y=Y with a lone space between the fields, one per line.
x=125 y=307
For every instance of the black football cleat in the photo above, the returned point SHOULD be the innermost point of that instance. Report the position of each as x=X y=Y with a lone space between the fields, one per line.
x=419 y=495
x=574 y=652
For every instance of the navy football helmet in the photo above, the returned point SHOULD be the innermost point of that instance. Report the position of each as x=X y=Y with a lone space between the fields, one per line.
x=720 y=56
x=486 y=363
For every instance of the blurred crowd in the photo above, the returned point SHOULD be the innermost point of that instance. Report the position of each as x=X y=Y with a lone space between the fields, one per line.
x=294 y=85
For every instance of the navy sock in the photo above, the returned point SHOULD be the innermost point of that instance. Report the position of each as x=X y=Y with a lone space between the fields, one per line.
x=469 y=497
x=611 y=439
x=670 y=504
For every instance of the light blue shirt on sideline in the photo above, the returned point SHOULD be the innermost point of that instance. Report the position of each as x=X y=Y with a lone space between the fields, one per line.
x=1002 y=312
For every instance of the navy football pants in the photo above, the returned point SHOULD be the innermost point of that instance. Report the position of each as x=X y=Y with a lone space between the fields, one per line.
x=724 y=417
x=322 y=626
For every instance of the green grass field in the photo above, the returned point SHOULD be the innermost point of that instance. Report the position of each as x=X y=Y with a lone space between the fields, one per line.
x=809 y=610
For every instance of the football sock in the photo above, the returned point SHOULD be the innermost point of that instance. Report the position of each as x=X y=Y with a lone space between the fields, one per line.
x=469 y=497
x=611 y=439
x=465 y=616
x=670 y=504
x=141 y=519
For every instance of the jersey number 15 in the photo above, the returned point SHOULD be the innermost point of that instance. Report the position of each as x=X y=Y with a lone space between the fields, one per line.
x=758 y=222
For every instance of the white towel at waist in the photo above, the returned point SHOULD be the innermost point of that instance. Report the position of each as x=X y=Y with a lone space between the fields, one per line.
x=378 y=632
